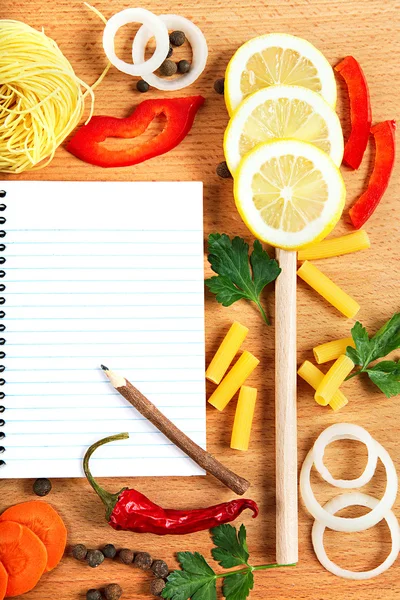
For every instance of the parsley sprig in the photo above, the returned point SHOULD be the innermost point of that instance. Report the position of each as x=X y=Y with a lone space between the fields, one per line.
x=385 y=374
x=197 y=580
x=237 y=277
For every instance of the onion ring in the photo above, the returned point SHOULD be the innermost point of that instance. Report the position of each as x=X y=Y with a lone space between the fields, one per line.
x=343 y=523
x=345 y=431
x=333 y=506
x=158 y=29
x=195 y=38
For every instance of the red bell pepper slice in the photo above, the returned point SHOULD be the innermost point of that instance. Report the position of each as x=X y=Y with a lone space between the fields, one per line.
x=384 y=162
x=179 y=113
x=360 y=111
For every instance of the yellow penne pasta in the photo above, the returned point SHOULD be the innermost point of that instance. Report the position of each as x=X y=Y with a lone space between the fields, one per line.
x=313 y=376
x=328 y=290
x=353 y=242
x=233 y=380
x=333 y=379
x=226 y=352
x=332 y=350
x=243 y=418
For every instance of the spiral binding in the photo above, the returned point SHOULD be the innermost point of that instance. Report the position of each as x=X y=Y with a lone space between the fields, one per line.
x=3 y=207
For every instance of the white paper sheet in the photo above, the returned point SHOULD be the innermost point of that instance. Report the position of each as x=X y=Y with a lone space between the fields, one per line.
x=95 y=273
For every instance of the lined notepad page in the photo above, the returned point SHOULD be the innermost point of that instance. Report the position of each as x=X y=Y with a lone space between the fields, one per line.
x=107 y=273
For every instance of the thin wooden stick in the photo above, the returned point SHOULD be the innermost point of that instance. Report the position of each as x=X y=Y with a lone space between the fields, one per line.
x=204 y=459
x=285 y=410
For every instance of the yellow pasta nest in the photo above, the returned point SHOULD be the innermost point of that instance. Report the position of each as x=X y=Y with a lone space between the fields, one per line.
x=41 y=98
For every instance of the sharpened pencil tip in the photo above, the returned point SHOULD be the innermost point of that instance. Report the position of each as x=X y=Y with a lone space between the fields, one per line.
x=104 y=368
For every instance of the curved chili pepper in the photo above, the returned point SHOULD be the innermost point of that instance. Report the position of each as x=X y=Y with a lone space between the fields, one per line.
x=384 y=134
x=179 y=113
x=360 y=111
x=132 y=511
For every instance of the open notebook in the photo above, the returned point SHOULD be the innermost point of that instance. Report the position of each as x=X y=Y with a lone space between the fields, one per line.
x=97 y=273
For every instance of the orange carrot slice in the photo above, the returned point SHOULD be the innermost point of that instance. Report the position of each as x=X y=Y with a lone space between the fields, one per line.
x=45 y=522
x=3 y=581
x=23 y=556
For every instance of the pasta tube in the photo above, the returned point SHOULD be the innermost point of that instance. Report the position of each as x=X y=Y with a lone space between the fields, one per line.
x=353 y=242
x=332 y=350
x=226 y=352
x=328 y=290
x=243 y=418
x=313 y=376
x=333 y=379
x=233 y=380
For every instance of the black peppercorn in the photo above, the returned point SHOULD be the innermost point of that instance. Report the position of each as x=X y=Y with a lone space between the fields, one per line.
x=94 y=558
x=143 y=561
x=126 y=556
x=142 y=86
x=109 y=551
x=223 y=171
x=160 y=569
x=183 y=66
x=157 y=586
x=93 y=595
x=42 y=487
x=113 y=591
x=79 y=552
x=219 y=85
x=170 y=51
x=168 y=68
x=177 y=38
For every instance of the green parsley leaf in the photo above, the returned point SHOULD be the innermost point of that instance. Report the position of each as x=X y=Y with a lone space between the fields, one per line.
x=383 y=342
x=231 y=549
x=238 y=278
x=195 y=581
x=238 y=586
x=360 y=354
x=386 y=375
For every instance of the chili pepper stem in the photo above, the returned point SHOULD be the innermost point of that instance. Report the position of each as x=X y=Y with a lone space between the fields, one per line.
x=109 y=500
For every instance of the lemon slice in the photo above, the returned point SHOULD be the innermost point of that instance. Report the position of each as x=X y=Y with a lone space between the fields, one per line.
x=289 y=193
x=283 y=111
x=273 y=59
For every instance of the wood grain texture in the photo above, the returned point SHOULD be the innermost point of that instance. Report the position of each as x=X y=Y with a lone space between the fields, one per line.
x=286 y=410
x=368 y=29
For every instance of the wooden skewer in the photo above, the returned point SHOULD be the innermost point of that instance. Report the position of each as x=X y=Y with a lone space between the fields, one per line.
x=285 y=410
x=204 y=459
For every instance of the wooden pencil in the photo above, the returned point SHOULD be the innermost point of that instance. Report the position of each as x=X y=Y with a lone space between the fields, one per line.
x=204 y=459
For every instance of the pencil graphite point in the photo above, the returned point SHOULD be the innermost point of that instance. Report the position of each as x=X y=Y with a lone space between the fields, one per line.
x=104 y=368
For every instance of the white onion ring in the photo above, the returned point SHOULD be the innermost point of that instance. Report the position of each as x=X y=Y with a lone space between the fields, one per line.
x=344 y=523
x=158 y=29
x=195 y=38
x=343 y=501
x=345 y=431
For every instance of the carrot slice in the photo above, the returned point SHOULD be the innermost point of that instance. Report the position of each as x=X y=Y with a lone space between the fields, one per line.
x=3 y=581
x=23 y=555
x=45 y=522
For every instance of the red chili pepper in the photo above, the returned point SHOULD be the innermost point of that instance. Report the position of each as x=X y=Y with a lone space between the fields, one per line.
x=179 y=113
x=384 y=136
x=132 y=511
x=360 y=111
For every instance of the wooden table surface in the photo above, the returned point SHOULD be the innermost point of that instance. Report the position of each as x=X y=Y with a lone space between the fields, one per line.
x=367 y=29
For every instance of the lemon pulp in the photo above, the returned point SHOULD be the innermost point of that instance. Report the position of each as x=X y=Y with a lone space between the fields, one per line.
x=284 y=118
x=289 y=192
x=276 y=65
